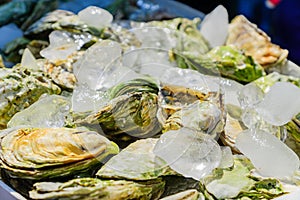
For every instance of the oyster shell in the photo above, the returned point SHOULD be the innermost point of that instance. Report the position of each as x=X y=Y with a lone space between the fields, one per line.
x=191 y=194
x=93 y=188
x=19 y=88
x=136 y=162
x=254 y=42
x=45 y=153
x=148 y=107
x=240 y=182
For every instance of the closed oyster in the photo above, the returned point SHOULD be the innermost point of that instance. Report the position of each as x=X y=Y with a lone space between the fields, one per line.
x=93 y=188
x=136 y=162
x=226 y=61
x=191 y=194
x=254 y=42
x=239 y=182
x=45 y=153
x=142 y=108
x=131 y=113
x=20 y=88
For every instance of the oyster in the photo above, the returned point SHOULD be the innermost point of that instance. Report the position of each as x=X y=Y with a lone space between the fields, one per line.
x=46 y=153
x=254 y=42
x=147 y=107
x=228 y=62
x=136 y=162
x=130 y=114
x=20 y=88
x=191 y=194
x=239 y=183
x=93 y=188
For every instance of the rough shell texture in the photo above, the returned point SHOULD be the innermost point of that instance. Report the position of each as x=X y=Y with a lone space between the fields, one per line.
x=248 y=37
x=38 y=153
x=92 y=188
x=19 y=88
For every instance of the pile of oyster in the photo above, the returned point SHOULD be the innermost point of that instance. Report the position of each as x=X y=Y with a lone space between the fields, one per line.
x=156 y=110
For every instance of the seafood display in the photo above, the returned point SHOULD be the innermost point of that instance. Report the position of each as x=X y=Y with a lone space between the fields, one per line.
x=93 y=109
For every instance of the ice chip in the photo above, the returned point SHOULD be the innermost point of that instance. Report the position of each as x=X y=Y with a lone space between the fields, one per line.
x=227 y=157
x=191 y=79
x=294 y=195
x=28 y=60
x=204 y=116
x=91 y=65
x=192 y=154
x=250 y=95
x=96 y=17
x=270 y=156
x=155 y=37
x=61 y=46
x=48 y=111
x=231 y=91
x=85 y=99
x=214 y=26
x=280 y=104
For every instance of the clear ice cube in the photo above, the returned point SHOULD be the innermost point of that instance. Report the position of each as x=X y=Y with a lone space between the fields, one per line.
x=86 y=100
x=192 y=154
x=28 y=60
x=270 y=156
x=89 y=68
x=48 y=111
x=96 y=17
x=61 y=46
x=280 y=104
x=214 y=26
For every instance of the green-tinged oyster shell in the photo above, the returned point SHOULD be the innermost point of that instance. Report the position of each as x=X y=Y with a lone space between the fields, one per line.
x=225 y=61
x=19 y=88
x=191 y=194
x=45 y=153
x=187 y=32
x=136 y=162
x=131 y=113
x=58 y=20
x=150 y=109
x=127 y=117
x=92 y=188
x=239 y=183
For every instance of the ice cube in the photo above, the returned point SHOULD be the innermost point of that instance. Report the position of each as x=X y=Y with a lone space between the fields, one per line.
x=96 y=17
x=28 y=60
x=151 y=61
x=294 y=195
x=86 y=100
x=250 y=95
x=189 y=153
x=61 y=46
x=227 y=157
x=155 y=37
x=280 y=104
x=204 y=116
x=270 y=156
x=48 y=111
x=191 y=79
x=214 y=26
x=231 y=90
x=89 y=68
